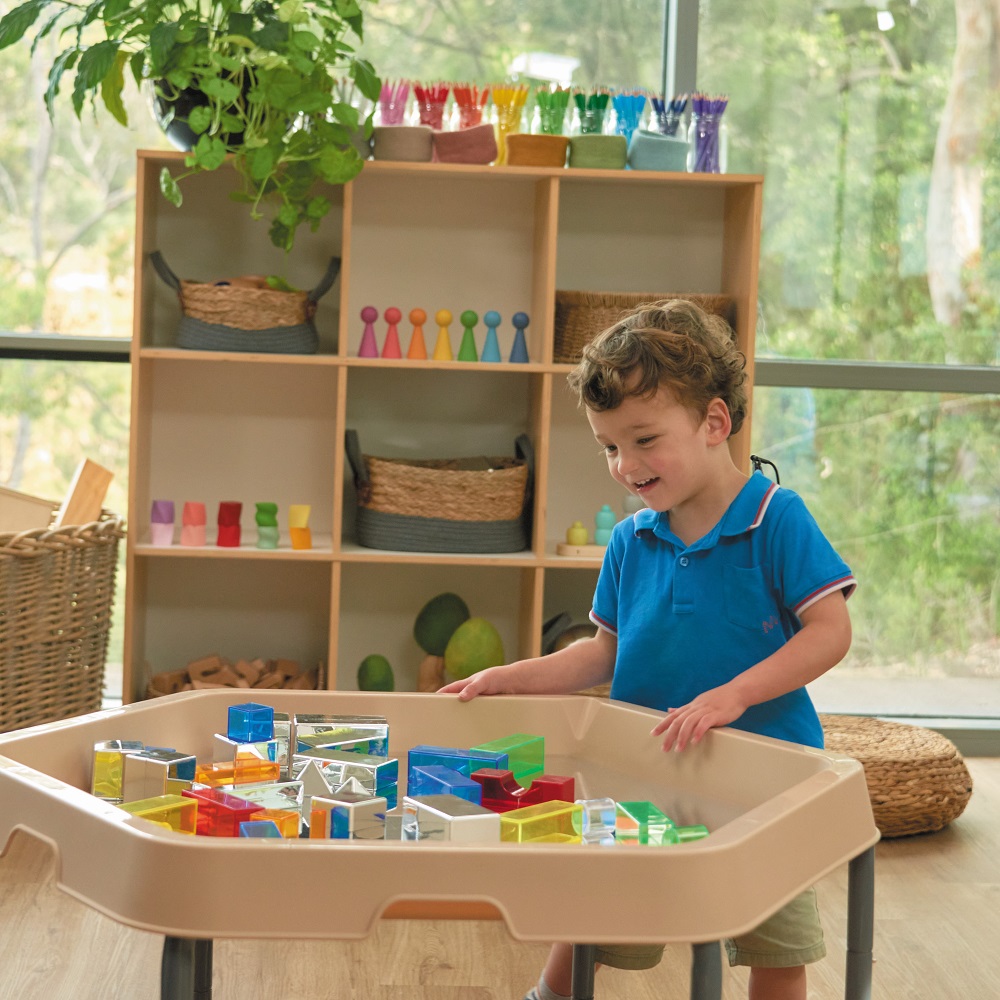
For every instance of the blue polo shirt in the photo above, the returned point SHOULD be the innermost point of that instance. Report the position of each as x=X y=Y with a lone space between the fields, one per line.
x=689 y=618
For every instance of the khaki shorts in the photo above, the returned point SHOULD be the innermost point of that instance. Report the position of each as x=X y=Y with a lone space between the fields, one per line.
x=791 y=937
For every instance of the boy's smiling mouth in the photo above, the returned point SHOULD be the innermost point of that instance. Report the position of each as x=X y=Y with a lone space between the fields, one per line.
x=641 y=485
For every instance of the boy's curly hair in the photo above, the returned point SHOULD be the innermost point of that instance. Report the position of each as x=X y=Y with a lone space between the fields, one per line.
x=673 y=343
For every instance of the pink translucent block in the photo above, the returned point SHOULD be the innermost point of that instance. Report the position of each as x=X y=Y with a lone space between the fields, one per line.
x=219 y=813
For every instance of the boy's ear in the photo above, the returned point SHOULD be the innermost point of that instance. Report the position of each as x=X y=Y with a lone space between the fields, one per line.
x=718 y=422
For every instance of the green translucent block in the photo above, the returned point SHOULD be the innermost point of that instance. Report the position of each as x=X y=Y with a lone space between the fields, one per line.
x=695 y=832
x=525 y=755
x=267 y=515
x=643 y=823
x=267 y=537
x=547 y=822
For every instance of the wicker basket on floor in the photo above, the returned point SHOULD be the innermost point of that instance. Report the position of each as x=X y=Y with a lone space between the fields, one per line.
x=56 y=595
x=917 y=779
x=581 y=316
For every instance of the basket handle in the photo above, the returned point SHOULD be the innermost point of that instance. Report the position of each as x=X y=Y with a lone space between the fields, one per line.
x=163 y=270
x=362 y=481
x=525 y=451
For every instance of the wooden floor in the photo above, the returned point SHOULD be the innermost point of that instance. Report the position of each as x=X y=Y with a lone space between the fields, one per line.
x=937 y=929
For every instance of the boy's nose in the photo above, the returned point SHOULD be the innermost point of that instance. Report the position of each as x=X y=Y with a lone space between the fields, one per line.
x=626 y=464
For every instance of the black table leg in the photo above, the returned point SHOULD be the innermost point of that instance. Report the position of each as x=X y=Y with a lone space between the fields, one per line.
x=860 y=926
x=583 y=971
x=186 y=969
x=706 y=971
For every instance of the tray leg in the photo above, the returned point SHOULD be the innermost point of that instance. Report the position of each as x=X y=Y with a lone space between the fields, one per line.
x=583 y=971
x=186 y=969
x=860 y=926
x=706 y=971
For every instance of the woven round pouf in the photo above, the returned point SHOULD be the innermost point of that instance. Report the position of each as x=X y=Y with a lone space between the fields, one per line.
x=917 y=779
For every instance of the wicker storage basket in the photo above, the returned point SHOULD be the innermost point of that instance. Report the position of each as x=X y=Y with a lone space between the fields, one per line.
x=56 y=594
x=443 y=505
x=237 y=316
x=581 y=316
x=917 y=779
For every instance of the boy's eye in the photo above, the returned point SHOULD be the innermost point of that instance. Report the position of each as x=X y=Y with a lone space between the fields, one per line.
x=609 y=449
x=645 y=440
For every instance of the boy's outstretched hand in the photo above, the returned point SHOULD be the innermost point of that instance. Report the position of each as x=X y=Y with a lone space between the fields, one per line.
x=493 y=680
x=689 y=723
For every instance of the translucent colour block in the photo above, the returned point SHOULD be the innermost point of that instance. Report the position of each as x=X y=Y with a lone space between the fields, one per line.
x=309 y=724
x=109 y=767
x=559 y=822
x=242 y=771
x=502 y=793
x=174 y=811
x=282 y=795
x=352 y=740
x=250 y=722
x=260 y=828
x=447 y=817
x=689 y=833
x=643 y=823
x=525 y=754
x=225 y=749
x=462 y=760
x=598 y=820
x=435 y=779
x=340 y=765
x=287 y=822
x=347 y=817
x=219 y=813
x=390 y=793
x=156 y=771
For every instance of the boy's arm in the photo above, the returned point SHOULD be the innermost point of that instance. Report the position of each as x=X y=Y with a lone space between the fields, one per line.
x=820 y=644
x=580 y=665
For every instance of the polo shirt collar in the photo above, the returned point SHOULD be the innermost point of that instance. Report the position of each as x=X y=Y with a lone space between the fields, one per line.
x=745 y=513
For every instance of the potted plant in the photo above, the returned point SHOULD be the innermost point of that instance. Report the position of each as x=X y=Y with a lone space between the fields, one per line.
x=259 y=82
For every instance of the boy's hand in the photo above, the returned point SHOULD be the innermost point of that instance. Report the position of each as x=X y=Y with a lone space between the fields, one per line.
x=493 y=680
x=689 y=723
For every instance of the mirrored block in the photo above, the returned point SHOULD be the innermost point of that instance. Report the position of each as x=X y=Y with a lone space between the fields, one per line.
x=340 y=765
x=224 y=749
x=547 y=822
x=347 y=817
x=250 y=722
x=694 y=832
x=643 y=823
x=448 y=817
x=242 y=771
x=156 y=771
x=374 y=727
x=462 y=760
x=287 y=822
x=525 y=754
x=108 y=772
x=283 y=795
x=219 y=812
x=283 y=734
x=394 y=823
x=173 y=811
x=313 y=783
x=598 y=820
x=435 y=779
x=260 y=828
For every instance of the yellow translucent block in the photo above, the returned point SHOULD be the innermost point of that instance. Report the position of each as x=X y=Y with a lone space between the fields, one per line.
x=298 y=515
x=547 y=822
x=286 y=820
x=174 y=811
x=242 y=771
x=109 y=769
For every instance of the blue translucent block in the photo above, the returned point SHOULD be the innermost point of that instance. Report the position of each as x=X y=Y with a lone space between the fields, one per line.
x=462 y=760
x=260 y=828
x=525 y=753
x=390 y=793
x=435 y=779
x=250 y=723
x=643 y=823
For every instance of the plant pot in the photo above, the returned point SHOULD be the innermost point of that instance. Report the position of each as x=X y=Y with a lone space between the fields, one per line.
x=407 y=143
x=536 y=150
x=598 y=152
x=476 y=144
x=655 y=151
x=172 y=116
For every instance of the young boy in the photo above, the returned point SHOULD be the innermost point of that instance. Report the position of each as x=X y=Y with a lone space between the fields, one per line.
x=715 y=605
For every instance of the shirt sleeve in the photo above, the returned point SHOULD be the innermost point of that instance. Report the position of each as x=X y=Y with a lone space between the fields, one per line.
x=604 y=612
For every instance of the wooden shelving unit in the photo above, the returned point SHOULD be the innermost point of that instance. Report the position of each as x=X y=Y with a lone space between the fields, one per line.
x=216 y=426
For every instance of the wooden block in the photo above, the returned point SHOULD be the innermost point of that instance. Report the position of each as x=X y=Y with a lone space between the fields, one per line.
x=271 y=680
x=287 y=668
x=580 y=551
x=199 y=685
x=85 y=498
x=304 y=682
x=206 y=665
x=249 y=672
x=225 y=676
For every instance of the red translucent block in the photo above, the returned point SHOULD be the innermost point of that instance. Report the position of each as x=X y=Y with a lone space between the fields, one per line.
x=219 y=813
x=502 y=793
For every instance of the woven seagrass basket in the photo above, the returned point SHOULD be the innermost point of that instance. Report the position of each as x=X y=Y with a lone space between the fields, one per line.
x=581 y=316
x=917 y=779
x=443 y=505
x=57 y=591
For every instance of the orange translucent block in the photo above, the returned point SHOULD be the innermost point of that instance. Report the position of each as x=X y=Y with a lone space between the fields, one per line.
x=219 y=813
x=502 y=793
x=286 y=820
x=173 y=811
x=547 y=822
x=242 y=771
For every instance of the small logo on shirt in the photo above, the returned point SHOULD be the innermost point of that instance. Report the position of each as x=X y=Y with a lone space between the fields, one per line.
x=770 y=624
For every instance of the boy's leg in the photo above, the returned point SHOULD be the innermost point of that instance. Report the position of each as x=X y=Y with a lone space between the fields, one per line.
x=778 y=984
x=556 y=982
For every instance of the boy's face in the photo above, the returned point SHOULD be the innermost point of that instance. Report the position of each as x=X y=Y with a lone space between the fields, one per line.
x=656 y=448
